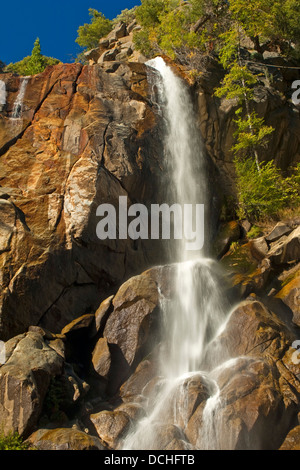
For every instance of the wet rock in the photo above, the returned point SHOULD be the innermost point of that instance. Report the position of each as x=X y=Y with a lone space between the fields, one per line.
x=164 y=435
x=133 y=389
x=134 y=410
x=263 y=334
x=253 y=403
x=64 y=439
x=184 y=400
x=249 y=402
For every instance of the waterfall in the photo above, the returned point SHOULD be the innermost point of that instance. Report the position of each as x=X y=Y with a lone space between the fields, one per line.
x=2 y=93
x=193 y=318
x=18 y=104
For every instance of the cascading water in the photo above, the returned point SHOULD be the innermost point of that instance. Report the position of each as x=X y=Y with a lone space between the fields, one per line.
x=2 y=93
x=18 y=104
x=193 y=318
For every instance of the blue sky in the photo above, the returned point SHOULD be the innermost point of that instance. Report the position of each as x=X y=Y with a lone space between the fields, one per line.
x=55 y=23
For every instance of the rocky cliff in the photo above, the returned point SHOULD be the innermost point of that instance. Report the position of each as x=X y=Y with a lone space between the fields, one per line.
x=81 y=316
x=84 y=136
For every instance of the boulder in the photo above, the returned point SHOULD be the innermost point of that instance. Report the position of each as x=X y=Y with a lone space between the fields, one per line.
x=292 y=440
x=248 y=402
x=228 y=233
x=64 y=439
x=101 y=316
x=111 y=426
x=246 y=269
x=118 y=32
x=252 y=403
x=252 y=330
x=101 y=358
x=260 y=247
x=286 y=249
x=290 y=295
x=79 y=323
x=278 y=231
x=184 y=399
x=129 y=325
x=132 y=390
x=24 y=381
x=92 y=55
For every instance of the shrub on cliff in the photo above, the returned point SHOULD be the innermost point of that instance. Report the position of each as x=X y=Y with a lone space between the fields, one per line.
x=90 y=33
x=12 y=441
x=169 y=25
x=126 y=16
x=265 y=193
x=33 y=64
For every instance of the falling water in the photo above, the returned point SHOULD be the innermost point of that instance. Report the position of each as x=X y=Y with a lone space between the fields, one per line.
x=18 y=104
x=194 y=316
x=2 y=93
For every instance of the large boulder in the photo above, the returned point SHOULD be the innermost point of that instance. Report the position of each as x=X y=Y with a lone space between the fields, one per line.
x=292 y=440
x=24 y=381
x=64 y=439
x=286 y=249
x=290 y=295
x=111 y=426
x=132 y=325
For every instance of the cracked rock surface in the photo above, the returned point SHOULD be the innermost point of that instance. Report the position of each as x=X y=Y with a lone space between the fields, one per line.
x=85 y=136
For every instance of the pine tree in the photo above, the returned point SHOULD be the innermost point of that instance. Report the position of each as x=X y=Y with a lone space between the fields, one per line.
x=36 y=63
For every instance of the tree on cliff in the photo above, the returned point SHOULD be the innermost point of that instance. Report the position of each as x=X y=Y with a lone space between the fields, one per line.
x=90 y=33
x=169 y=25
x=33 y=64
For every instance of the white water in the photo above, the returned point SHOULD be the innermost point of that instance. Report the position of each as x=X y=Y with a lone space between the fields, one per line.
x=18 y=104
x=194 y=317
x=2 y=93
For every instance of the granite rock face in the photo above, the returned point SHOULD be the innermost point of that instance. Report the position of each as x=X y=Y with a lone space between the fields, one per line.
x=85 y=136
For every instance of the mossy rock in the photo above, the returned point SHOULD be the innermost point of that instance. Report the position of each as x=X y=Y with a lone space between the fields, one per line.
x=64 y=439
x=245 y=270
x=229 y=232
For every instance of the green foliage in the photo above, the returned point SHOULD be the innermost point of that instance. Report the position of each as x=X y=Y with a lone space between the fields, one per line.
x=207 y=24
x=166 y=28
x=254 y=232
x=126 y=16
x=33 y=64
x=264 y=193
x=251 y=133
x=277 y=20
x=12 y=441
x=90 y=33
x=171 y=26
x=237 y=84
x=148 y=14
